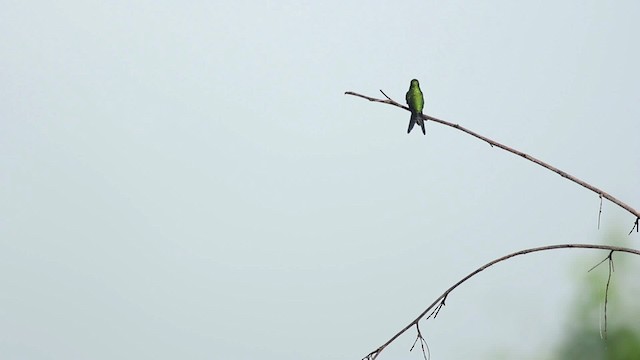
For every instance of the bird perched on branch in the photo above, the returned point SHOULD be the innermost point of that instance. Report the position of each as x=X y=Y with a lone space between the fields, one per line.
x=415 y=100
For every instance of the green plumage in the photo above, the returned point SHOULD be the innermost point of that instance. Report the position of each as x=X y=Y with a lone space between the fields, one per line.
x=415 y=100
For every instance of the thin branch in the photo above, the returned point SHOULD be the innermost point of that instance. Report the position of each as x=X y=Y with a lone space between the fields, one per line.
x=491 y=142
x=440 y=300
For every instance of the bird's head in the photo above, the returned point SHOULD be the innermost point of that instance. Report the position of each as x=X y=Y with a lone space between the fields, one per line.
x=415 y=82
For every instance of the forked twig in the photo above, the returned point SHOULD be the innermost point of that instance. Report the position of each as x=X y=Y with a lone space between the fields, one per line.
x=436 y=311
x=635 y=227
x=423 y=344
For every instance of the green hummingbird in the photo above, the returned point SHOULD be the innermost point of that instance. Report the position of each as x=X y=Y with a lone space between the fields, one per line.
x=415 y=100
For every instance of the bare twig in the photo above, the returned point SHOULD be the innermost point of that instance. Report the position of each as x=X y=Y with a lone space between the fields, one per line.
x=440 y=300
x=423 y=344
x=606 y=292
x=600 y=263
x=491 y=142
x=436 y=311
x=606 y=289
x=635 y=227
x=600 y=211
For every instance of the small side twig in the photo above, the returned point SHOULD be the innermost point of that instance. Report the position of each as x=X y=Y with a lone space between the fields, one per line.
x=436 y=311
x=635 y=227
x=423 y=344
x=606 y=289
x=599 y=211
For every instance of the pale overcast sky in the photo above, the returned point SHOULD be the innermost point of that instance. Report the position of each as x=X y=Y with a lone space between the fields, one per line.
x=187 y=180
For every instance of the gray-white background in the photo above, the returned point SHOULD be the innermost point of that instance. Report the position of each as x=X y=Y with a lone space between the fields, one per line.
x=186 y=180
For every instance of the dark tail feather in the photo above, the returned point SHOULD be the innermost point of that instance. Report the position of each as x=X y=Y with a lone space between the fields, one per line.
x=421 y=122
x=412 y=122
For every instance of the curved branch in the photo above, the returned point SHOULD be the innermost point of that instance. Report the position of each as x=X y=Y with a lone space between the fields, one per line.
x=491 y=142
x=374 y=354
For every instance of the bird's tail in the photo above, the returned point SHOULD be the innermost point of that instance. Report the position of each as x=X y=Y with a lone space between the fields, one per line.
x=416 y=118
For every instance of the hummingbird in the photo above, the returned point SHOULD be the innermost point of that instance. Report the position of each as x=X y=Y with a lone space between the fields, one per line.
x=415 y=100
